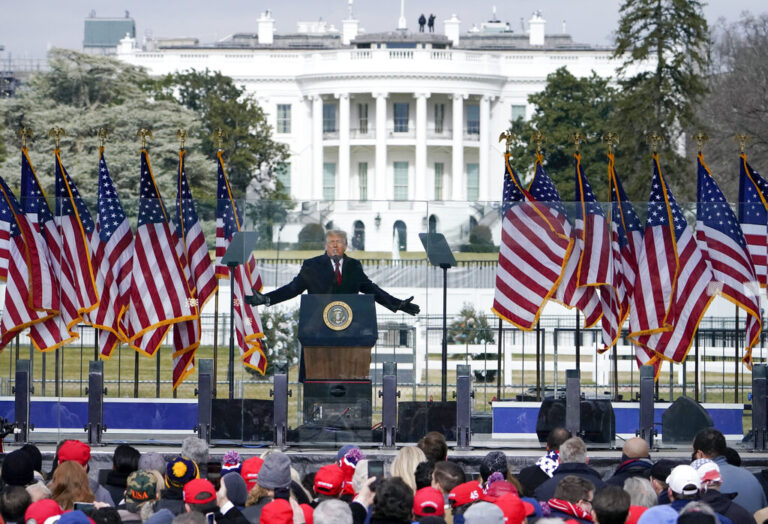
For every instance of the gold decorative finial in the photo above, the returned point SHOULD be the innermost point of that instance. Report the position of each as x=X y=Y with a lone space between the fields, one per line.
x=538 y=138
x=218 y=136
x=181 y=134
x=700 y=139
x=610 y=138
x=509 y=137
x=56 y=133
x=654 y=140
x=102 y=134
x=577 y=138
x=742 y=139
x=25 y=133
x=144 y=133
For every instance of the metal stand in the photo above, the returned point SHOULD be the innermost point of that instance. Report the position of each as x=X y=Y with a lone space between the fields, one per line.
x=205 y=396
x=759 y=399
x=280 y=406
x=646 y=430
x=95 y=392
x=573 y=401
x=23 y=391
x=389 y=395
x=464 y=397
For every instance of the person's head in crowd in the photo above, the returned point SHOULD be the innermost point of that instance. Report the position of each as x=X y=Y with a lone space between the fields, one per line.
x=70 y=484
x=308 y=480
x=493 y=462
x=105 y=515
x=38 y=491
x=233 y=489
x=14 y=501
x=573 y=450
x=328 y=482
x=74 y=517
x=709 y=474
x=434 y=446
x=250 y=471
x=404 y=465
x=684 y=483
x=348 y=464
x=635 y=448
x=659 y=473
x=307 y=512
x=515 y=509
x=447 y=475
x=428 y=502
x=275 y=472
x=610 y=505
x=556 y=438
x=42 y=510
x=697 y=513
x=423 y=474
x=708 y=443
x=200 y=495
x=75 y=451
x=17 y=469
x=152 y=461
x=142 y=489
x=393 y=500
x=332 y=511
x=484 y=513
x=196 y=449
x=125 y=459
x=497 y=486
x=231 y=462
x=463 y=495
x=279 y=511
x=576 y=490
x=35 y=456
x=732 y=457
x=640 y=492
x=192 y=517
x=179 y=471
x=212 y=472
x=162 y=516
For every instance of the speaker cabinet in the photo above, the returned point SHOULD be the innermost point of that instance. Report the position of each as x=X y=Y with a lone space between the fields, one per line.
x=598 y=423
x=416 y=419
x=682 y=420
x=247 y=420
x=338 y=404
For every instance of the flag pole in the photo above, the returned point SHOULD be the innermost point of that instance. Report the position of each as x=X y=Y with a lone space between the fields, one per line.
x=498 y=361
x=215 y=338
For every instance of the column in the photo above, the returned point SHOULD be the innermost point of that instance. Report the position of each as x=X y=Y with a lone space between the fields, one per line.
x=485 y=144
x=421 y=182
x=381 y=192
x=457 y=163
x=343 y=190
x=317 y=147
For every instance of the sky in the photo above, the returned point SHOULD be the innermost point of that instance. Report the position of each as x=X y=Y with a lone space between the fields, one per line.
x=29 y=28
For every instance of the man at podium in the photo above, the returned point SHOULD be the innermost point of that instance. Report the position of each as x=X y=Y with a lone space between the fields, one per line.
x=333 y=273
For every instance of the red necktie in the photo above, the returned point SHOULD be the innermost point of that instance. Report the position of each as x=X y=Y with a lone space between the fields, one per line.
x=338 y=274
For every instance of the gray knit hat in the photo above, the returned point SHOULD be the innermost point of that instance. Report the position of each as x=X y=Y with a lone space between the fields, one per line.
x=275 y=472
x=237 y=492
x=484 y=513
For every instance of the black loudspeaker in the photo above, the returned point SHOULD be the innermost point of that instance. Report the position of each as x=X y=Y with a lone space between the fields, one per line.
x=249 y=420
x=682 y=420
x=416 y=419
x=598 y=423
x=337 y=404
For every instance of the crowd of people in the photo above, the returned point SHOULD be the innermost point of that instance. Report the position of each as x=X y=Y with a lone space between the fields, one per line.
x=422 y=484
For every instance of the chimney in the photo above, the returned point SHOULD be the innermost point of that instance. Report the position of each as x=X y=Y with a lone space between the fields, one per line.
x=350 y=26
x=536 y=27
x=266 y=28
x=452 y=29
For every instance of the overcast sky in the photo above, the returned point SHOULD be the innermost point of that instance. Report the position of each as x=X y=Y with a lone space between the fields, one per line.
x=28 y=28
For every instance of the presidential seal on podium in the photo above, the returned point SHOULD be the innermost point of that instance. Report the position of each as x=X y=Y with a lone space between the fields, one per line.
x=337 y=315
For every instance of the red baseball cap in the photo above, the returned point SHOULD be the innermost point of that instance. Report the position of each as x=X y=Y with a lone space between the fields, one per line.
x=328 y=480
x=428 y=502
x=515 y=510
x=199 y=491
x=308 y=513
x=278 y=511
x=250 y=471
x=75 y=450
x=465 y=493
x=497 y=489
x=42 y=510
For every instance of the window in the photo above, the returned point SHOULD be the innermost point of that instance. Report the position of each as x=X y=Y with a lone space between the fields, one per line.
x=518 y=111
x=473 y=119
x=473 y=182
x=283 y=174
x=439 y=180
x=362 y=174
x=439 y=117
x=283 y=118
x=401 y=117
x=329 y=118
x=362 y=116
x=401 y=180
x=329 y=180
x=401 y=234
x=358 y=237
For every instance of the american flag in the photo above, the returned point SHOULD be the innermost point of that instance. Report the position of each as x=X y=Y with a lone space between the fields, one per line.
x=199 y=271
x=248 y=330
x=61 y=295
x=724 y=248
x=112 y=248
x=20 y=275
x=693 y=289
x=753 y=217
x=535 y=244
x=160 y=295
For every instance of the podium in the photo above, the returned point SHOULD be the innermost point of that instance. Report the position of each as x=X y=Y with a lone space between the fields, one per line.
x=337 y=333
